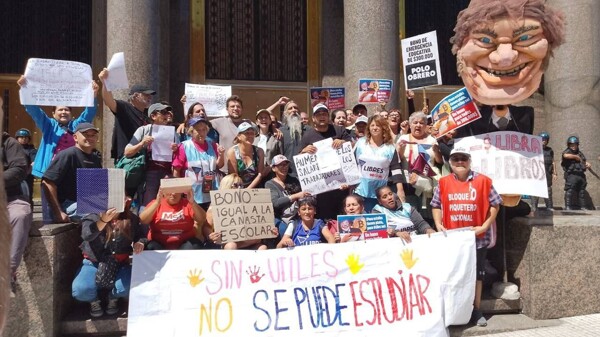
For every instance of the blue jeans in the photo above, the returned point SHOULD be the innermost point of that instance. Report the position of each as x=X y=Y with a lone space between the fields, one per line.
x=84 y=285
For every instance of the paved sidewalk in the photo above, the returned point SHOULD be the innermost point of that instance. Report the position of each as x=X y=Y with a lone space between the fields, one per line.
x=578 y=326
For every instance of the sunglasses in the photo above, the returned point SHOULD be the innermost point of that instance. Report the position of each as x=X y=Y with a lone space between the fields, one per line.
x=237 y=185
x=459 y=158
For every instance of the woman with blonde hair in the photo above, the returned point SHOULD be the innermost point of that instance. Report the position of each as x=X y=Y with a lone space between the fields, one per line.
x=245 y=159
x=378 y=161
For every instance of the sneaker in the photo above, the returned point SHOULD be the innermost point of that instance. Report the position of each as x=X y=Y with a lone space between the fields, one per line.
x=478 y=319
x=113 y=306
x=96 y=309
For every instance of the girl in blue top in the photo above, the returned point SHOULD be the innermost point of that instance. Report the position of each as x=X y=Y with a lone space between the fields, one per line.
x=57 y=132
x=377 y=160
x=307 y=230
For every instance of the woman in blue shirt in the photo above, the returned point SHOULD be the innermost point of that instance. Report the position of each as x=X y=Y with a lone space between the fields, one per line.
x=307 y=230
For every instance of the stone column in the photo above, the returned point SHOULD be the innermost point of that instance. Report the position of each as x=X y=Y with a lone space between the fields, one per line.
x=572 y=90
x=371 y=46
x=132 y=27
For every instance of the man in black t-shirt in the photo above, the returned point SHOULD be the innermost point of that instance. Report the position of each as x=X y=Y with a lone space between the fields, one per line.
x=328 y=203
x=62 y=173
x=129 y=116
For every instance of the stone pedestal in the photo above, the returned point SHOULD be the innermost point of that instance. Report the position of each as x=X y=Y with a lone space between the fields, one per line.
x=572 y=89
x=555 y=261
x=45 y=275
x=371 y=46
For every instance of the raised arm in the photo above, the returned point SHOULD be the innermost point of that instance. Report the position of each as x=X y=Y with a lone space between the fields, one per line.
x=107 y=96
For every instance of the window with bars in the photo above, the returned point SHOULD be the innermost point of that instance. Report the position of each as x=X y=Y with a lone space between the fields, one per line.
x=257 y=40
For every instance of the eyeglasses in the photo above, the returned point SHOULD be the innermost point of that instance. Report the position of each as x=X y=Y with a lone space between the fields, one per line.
x=285 y=163
x=165 y=112
x=237 y=185
x=393 y=116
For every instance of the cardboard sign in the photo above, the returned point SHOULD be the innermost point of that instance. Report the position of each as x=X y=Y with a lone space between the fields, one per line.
x=328 y=169
x=362 y=227
x=243 y=214
x=454 y=111
x=333 y=98
x=421 y=61
x=176 y=185
x=374 y=90
x=514 y=161
x=57 y=83
x=212 y=97
x=354 y=289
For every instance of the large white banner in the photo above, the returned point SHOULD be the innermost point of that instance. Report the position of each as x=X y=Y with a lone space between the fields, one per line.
x=380 y=287
x=57 y=83
x=421 y=61
x=328 y=169
x=514 y=161
x=212 y=97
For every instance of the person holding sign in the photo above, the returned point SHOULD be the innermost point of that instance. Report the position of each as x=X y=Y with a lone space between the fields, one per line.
x=403 y=220
x=171 y=218
x=420 y=153
x=467 y=199
x=57 y=132
x=129 y=116
x=107 y=244
x=307 y=230
x=323 y=130
x=245 y=159
x=377 y=160
x=199 y=159
x=142 y=141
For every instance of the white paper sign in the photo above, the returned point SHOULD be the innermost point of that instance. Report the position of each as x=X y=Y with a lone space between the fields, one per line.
x=316 y=174
x=57 y=82
x=421 y=61
x=117 y=74
x=164 y=137
x=513 y=160
x=367 y=288
x=213 y=98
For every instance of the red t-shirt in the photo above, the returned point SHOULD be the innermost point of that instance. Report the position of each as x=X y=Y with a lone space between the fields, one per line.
x=466 y=203
x=172 y=225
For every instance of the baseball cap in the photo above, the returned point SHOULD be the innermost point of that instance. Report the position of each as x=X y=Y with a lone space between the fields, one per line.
x=245 y=126
x=83 y=127
x=141 y=88
x=196 y=120
x=320 y=106
x=362 y=119
x=459 y=150
x=278 y=159
x=261 y=111
x=157 y=107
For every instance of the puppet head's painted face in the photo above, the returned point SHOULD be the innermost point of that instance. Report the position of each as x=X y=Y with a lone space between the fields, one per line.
x=501 y=62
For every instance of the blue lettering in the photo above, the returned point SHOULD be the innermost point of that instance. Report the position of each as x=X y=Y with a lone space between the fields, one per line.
x=263 y=310
x=277 y=310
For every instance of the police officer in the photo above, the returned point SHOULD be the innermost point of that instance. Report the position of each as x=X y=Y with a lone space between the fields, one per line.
x=574 y=165
x=551 y=173
x=23 y=136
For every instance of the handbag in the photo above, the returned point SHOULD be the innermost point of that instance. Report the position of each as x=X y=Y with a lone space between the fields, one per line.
x=107 y=273
x=135 y=169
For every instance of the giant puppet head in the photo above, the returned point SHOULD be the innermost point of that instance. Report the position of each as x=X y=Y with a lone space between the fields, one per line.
x=503 y=47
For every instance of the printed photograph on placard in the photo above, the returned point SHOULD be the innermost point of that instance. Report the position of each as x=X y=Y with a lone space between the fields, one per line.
x=374 y=90
x=333 y=98
x=362 y=227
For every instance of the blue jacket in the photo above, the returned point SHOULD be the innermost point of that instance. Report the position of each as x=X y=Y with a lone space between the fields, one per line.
x=51 y=133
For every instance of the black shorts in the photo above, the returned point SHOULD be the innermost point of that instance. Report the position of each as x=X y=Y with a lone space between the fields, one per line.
x=481 y=255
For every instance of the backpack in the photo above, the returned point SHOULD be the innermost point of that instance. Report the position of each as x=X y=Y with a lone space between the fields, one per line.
x=135 y=169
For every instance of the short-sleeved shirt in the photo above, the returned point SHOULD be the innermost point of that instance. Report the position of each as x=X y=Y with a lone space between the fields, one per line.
x=127 y=120
x=336 y=132
x=303 y=237
x=63 y=171
x=172 y=225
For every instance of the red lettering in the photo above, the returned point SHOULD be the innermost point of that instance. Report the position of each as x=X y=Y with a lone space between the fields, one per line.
x=355 y=304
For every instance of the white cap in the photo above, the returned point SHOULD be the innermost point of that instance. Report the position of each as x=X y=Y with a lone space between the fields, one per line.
x=320 y=106
x=461 y=150
x=362 y=119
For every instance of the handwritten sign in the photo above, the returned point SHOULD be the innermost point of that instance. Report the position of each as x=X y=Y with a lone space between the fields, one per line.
x=333 y=98
x=314 y=179
x=57 y=82
x=454 y=111
x=353 y=289
x=243 y=214
x=421 y=61
x=513 y=160
x=212 y=97
x=374 y=91
x=362 y=227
